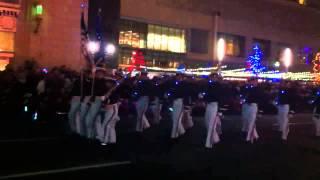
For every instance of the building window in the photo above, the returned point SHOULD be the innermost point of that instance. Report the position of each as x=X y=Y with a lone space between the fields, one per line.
x=7 y=41
x=132 y=34
x=235 y=45
x=265 y=46
x=152 y=58
x=199 y=40
x=125 y=57
x=302 y=2
x=155 y=37
x=163 y=59
x=163 y=38
x=6 y=48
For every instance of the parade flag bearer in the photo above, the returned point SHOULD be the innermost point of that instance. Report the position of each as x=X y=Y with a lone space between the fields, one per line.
x=97 y=97
x=106 y=132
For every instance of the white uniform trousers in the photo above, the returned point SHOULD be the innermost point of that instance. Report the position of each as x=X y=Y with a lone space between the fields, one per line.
x=84 y=108
x=251 y=118
x=106 y=132
x=141 y=108
x=187 y=121
x=156 y=108
x=244 y=117
x=283 y=120
x=212 y=121
x=91 y=117
x=316 y=120
x=74 y=111
x=177 y=115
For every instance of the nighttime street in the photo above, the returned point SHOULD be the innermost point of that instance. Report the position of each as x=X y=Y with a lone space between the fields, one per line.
x=160 y=89
x=152 y=155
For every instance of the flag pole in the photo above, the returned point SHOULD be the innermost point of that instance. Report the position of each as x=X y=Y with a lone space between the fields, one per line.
x=93 y=60
x=82 y=6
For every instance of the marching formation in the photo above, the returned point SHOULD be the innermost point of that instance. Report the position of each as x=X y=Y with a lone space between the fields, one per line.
x=94 y=110
x=94 y=102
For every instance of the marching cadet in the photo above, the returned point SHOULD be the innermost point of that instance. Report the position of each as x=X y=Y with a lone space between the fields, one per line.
x=73 y=114
x=212 y=95
x=244 y=108
x=155 y=104
x=253 y=97
x=84 y=103
x=80 y=89
x=98 y=91
x=191 y=95
x=283 y=109
x=177 y=92
x=106 y=132
x=316 y=114
x=143 y=88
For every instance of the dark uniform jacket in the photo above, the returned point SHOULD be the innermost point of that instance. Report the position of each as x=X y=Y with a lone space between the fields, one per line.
x=212 y=91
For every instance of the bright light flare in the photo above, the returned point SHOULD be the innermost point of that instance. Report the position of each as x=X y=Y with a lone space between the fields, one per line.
x=287 y=57
x=93 y=47
x=221 y=49
x=110 y=49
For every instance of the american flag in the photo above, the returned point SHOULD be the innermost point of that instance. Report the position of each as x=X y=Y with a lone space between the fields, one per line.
x=84 y=37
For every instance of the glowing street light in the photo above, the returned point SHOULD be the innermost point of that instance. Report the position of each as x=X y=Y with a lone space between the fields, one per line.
x=93 y=47
x=287 y=58
x=110 y=49
x=277 y=64
x=221 y=49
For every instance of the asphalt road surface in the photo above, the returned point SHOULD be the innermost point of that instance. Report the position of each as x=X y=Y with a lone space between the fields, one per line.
x=153 y=155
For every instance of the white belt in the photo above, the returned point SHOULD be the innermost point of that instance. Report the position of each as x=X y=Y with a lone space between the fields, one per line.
x=102 y=98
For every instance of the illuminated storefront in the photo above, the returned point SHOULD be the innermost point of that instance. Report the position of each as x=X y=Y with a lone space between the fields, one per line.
x=162 y=46
x=8 y=16
x=162 y=38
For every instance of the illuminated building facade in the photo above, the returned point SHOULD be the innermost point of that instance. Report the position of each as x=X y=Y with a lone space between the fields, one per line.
x=169 y=33
x=163 y=46
x=9 y=11
x=185 y=31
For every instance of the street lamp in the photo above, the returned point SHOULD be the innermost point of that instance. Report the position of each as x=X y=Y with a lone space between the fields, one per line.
x=93 y=47
x=221 y=51
x=287 y=58
x=110 y=49
x=37 y=12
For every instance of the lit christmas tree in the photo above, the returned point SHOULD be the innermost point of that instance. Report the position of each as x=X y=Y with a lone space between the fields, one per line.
x=137 y=60
x=254 y=61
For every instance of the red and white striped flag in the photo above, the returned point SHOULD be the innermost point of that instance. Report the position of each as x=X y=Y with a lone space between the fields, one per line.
x=84 y=37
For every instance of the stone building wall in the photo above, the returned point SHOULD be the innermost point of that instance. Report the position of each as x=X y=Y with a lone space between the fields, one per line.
x=57 y=41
